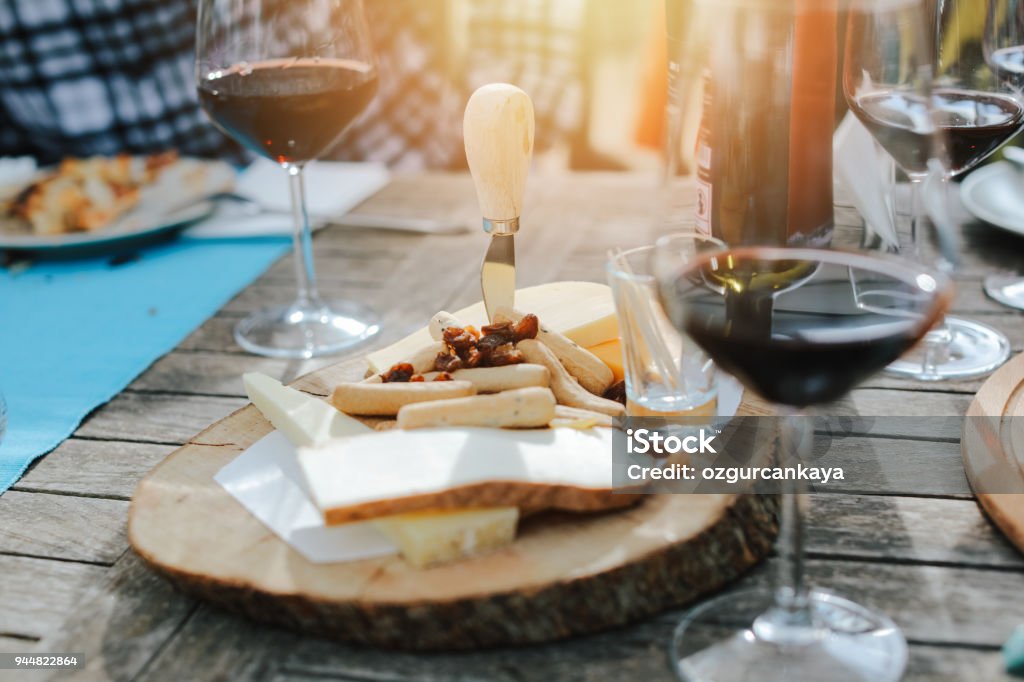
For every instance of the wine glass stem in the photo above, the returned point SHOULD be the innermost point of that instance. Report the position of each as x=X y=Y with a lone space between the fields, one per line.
x=302 y=236
x=939 y=337
x=790 y=620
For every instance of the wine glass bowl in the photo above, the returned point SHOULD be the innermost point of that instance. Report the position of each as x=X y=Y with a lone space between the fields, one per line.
x=286 y=79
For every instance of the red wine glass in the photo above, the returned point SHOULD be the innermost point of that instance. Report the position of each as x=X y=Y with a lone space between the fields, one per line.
x=789 y=324
x=915 y=80
x=286 y=78
x=1004 y=51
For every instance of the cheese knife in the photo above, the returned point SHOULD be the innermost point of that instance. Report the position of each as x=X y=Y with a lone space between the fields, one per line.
x=498 y=133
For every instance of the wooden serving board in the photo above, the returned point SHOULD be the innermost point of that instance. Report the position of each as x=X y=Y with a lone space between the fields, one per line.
x=564 y=575
x=992 y=447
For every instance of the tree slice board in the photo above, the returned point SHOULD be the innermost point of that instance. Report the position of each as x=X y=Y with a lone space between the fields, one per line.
x=564 y=575
x=992 y=447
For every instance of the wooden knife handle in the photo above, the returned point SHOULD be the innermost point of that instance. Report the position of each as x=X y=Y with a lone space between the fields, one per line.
x=498 y=132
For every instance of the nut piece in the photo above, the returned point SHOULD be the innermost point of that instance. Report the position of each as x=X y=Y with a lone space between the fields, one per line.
x=566 y=389
x=589 y=370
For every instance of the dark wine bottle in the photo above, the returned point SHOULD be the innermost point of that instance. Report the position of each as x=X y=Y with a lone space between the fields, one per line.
x=764 y=147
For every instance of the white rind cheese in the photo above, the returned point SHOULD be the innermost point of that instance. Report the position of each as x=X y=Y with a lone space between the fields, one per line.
x=582 y=311
x=307 y=421
x=386 y=466
x=431 y=538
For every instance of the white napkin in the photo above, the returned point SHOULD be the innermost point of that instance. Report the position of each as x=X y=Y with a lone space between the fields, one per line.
x=333 y=188
x=267 y=481
x=864 y=173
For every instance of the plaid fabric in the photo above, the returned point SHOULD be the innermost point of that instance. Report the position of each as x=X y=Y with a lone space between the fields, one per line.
x=81 y=77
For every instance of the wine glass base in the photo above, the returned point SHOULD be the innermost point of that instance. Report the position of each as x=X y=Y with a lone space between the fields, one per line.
x=716 y=642
x=962 y=350
x=1006 y=289
x=297 y=331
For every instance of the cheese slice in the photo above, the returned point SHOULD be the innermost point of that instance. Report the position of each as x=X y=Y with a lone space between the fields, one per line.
x=582 y=311
x=610 y=353
x=306 y=420
x=397 y=471
x=431 y=538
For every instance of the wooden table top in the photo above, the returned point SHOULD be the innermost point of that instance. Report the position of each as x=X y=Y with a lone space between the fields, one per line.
x=69 y=582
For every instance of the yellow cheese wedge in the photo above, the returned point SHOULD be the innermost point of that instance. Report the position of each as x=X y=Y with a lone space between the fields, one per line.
x=610 y=353
x=307 y=421
x=431 y=538
x=583 y=311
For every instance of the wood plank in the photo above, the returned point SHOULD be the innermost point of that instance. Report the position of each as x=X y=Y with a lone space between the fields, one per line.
x=222 y=646
x=38 y=594
x=156 y=418
x=121 y=622
x=63 y=526
x=91 y=467
x=907 y=529
x=17 y=645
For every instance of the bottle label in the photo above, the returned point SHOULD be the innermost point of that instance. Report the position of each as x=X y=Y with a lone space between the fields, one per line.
x=702 y=212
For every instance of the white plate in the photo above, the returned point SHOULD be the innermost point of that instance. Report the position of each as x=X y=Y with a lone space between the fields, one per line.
x=995 y=194
x=172 y=202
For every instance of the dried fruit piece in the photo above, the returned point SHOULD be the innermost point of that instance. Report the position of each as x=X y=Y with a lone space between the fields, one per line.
x=443 y=376
x=401 y=372
x=616 y=392
x=503 y=356
x=526 y=328
x=446 y=362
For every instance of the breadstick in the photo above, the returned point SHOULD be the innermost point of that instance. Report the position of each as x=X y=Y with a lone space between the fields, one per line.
x=589 y=370
x=521 y=408
x=575 y=414
x=441 y=321
x=498 y=379
x=566 y=389
x=386 y=399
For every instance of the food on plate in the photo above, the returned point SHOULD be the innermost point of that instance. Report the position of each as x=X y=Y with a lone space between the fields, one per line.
x=87 y=194
x=532 y=407
x=401 y=471
x=430 y=538
x=493 y=420
x=497 y=379
x=593 y=375
x=566 y=388
x=385 y=399
x=304 y=419
x=582 y=311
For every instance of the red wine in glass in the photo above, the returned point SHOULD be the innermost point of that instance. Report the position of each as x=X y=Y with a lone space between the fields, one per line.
x=974 y=124
x=289 y=110
x=802 y=327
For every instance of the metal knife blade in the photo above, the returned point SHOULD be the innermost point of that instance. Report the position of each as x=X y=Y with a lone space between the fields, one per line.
x=498 y=274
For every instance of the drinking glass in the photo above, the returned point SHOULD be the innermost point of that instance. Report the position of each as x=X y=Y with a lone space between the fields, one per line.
x=1003 y=45
x=286 y=78
x=666 y=373
x=913 y=88
x=787 y=323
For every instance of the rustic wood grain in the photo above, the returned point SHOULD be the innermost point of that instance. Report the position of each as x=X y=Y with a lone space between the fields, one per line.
x=62 y=526
x=37 y=595
x=106 y=468
x=121 y=621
